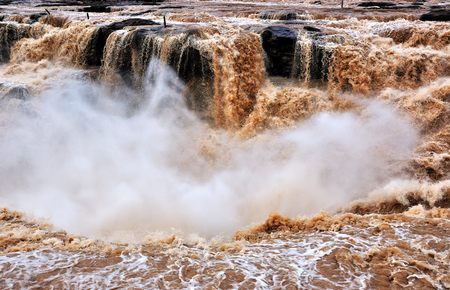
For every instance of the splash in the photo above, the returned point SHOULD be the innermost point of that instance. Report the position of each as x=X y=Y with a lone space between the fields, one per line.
x=206 y=61
x=98 y=162
x=283 y=107
x=428 y=108
x=400 y=195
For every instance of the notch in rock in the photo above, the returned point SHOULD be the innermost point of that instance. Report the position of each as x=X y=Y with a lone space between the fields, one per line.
x=164 y=19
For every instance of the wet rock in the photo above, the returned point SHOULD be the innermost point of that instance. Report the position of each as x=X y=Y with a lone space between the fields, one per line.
x=312 y=58
x=94 y=51
x=130 y=55
x=189 y=62
x=129 y=22
x=279 y=45
x=388 y=5
x=9 y=34
x=320 y=61
x=311 y=28
x=412 y=6
x=196 y=71
x=36 y=16
x=377 y=4
x=11 y=91
x=278 y=15
x=436 y=15
x=288 y=54
x=96 y=8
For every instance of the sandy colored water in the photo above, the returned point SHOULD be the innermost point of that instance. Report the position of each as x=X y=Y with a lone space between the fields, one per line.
x=318 y=161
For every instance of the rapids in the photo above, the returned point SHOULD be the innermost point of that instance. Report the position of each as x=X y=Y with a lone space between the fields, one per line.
x=224 y=144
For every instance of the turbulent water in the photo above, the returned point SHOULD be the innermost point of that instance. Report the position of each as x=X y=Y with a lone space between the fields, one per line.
x=239 y=145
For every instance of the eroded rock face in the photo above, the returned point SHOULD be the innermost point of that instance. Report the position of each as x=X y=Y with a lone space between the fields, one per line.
x=97 y=8
x=279 y=45
x=128 y=55
x=299 y=53
x=436 y=15
x=377 y=4
x=9 y=34
x=94 y=49
x=36 y=16
x=313 y=56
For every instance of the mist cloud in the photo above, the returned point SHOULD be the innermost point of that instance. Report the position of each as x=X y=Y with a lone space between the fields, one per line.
x=94 y=164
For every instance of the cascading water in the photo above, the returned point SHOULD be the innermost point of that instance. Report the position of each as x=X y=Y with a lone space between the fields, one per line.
x=243 y=145
x=312 y=58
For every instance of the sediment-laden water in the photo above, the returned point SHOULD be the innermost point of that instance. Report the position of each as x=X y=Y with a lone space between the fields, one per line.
x=239 y=145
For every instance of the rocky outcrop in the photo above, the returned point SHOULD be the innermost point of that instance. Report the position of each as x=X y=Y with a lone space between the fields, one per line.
x=279 y=45
x=127 y=55
x=96 y=8
x=93 y=55
x=313 y=56
x=91 y=40
x=9 y=34
x=301 y=54
x=34 y=17
x=388 y=5
x=377 y=4
x=436 y=15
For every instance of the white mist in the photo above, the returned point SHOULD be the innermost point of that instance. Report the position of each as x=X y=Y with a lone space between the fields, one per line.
x=92 y=164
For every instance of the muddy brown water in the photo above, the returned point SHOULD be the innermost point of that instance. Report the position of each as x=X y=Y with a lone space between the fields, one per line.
x=245 y=68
